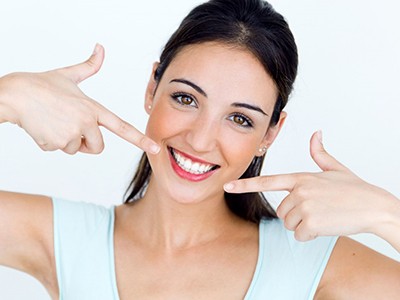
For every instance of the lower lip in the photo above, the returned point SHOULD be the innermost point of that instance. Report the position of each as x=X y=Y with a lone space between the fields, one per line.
x=186 y=175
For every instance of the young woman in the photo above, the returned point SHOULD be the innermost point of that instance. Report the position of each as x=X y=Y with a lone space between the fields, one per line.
x=188 y=228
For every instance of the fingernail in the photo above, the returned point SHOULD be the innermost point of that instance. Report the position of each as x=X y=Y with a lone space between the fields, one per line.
x=229 y=186
x=96 y=49
x=154 y=149
x=319 y=136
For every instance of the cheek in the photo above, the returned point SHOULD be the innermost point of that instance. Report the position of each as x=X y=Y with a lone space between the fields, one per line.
x=240 y=154
x=163 y=122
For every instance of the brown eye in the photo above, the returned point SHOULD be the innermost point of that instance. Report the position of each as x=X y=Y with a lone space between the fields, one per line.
x=239 y=120
x=186 y=100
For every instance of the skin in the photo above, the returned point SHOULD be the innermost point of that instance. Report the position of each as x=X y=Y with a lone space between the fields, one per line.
x=183 y=227
x=205 y=129
x=57 y=91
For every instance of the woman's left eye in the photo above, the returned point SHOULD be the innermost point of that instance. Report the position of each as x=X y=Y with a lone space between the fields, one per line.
x=184 y=99
x=241 y=120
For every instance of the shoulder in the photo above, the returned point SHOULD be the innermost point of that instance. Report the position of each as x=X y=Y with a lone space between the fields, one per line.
x=355 y=271
x=26 y=235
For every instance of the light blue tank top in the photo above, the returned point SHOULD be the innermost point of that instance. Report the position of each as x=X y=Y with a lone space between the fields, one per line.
x=84 y=252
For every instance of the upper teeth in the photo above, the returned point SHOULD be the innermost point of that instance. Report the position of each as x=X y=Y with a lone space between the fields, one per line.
x=189 y=166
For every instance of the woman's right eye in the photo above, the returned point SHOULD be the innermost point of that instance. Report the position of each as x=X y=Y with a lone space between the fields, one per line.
x=184 y=99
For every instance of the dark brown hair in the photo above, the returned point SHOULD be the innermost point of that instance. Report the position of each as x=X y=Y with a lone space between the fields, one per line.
x=252 y=25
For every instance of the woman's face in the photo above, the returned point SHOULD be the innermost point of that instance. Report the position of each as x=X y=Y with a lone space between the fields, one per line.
x=210 y=114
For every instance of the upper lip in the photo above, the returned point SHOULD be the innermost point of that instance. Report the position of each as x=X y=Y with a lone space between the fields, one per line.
x=192 y=158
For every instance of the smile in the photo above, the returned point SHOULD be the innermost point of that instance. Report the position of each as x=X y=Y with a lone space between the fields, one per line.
x=191 y=168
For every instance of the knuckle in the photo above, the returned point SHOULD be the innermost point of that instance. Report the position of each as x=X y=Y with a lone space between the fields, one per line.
x=299 y=236
x=301 y=192
x=60 y=143
x=123 y=127
x=288 y=225
x=87 y=113
x=44 y=147
x=305 y=178
x=305 y=209
x=87 y=120
x=142 y=141
x=98 y=149
x=69 y=151
x=242 y=184
x=279 y=212
x=91 y=65
x=264 y=183
x=309 y=225
x=71 y=134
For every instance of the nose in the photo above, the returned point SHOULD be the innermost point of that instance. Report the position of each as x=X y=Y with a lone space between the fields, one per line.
x=202 y=134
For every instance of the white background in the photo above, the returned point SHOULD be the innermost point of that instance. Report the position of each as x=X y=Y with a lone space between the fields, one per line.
x=347 y=86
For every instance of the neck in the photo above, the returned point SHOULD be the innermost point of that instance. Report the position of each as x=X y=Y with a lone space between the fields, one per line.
x=166 y=223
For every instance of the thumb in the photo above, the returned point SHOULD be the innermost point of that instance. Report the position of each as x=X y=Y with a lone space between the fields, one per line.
x=322 y=158
x=78 y=73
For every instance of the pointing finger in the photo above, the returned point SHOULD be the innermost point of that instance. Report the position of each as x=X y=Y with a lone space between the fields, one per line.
x=284 y=182
x=126 y=131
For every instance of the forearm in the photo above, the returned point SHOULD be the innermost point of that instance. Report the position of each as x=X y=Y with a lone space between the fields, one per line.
x=389 y=226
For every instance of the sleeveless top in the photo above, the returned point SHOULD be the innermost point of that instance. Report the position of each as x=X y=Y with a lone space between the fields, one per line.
x=84 y=252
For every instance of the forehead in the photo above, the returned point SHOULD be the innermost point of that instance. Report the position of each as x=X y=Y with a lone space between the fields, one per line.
x=223 y=69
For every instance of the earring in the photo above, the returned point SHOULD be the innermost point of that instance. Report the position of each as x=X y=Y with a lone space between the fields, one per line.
x=149 y=107
x=263 y=149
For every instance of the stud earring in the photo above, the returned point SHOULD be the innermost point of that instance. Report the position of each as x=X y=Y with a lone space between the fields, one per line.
x=149 y=107
x=263 y=149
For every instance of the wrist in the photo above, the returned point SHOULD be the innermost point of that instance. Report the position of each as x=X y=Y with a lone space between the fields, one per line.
x=7 y=83
x=389 y=217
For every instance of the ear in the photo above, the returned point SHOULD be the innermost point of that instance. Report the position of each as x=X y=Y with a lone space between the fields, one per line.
x=272 y=133
x=151 y=89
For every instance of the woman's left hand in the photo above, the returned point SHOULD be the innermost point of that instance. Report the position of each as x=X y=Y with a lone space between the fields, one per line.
x=332 y=202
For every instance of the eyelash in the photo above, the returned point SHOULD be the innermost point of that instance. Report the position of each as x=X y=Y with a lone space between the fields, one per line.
x=246 y=119
x=177 y=95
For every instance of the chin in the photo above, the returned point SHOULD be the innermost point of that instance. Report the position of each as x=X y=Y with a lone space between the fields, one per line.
x=183 y=193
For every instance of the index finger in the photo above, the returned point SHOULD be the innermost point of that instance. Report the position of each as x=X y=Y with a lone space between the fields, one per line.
x=126 y=131
x=283 y=182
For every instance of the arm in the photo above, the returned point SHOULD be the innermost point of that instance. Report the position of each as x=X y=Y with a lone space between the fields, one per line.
x=26 y=237
x=355 y=271
x=332 y=202
x=51 y=108
x=337 y=202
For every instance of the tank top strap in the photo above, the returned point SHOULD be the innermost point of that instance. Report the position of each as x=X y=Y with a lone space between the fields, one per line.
x=83 y=249
x=287 y=268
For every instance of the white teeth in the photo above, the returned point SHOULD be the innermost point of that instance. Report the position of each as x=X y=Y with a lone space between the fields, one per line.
x=189 y=166
x=195 y=168
x=202 y=168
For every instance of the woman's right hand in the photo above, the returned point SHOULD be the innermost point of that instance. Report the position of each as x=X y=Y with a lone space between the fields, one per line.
x=51 y=108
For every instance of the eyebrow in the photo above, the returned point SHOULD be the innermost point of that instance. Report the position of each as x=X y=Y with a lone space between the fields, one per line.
x=191 y=84
x=249 y=106
x=201 y=91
